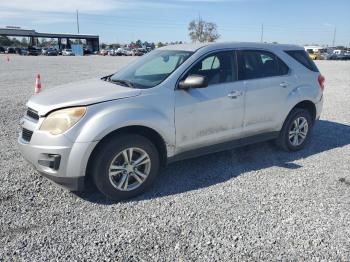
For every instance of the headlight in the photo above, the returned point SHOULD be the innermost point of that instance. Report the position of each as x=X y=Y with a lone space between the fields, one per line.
x=60 y=121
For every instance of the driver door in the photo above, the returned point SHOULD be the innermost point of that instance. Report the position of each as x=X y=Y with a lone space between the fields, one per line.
x=206 y=116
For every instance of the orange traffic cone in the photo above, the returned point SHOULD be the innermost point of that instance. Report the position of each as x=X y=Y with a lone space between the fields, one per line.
x=37 y=87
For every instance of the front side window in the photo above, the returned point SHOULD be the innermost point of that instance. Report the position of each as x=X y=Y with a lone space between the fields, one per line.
x=259 y=64
x=218 y=67
x=152 y=69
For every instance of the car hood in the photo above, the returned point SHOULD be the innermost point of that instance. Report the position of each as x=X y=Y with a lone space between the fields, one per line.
x=80 y=93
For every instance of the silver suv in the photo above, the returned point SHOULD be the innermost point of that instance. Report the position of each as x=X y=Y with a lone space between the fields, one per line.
x=174 y=103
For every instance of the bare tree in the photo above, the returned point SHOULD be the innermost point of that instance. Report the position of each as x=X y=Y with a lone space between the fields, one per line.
x=202 y=31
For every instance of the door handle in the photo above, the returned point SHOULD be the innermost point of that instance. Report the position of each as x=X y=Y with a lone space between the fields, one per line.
x=284 y=84
x=235 y=94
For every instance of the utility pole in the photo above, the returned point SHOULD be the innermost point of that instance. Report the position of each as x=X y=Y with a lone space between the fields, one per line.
x=78 y=21
x=262 y=33
x=335 y=31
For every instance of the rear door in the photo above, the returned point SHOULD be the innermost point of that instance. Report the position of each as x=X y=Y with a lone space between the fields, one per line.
x=267 y=84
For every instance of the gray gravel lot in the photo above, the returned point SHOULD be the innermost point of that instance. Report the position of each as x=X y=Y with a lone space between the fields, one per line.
x=252 y=203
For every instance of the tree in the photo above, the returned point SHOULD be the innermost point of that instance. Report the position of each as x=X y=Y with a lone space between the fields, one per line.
x=5 y=41
x=115 y=46
x=24 y=42
x=202 y=31
x=160 y=44
x=139 y=43
x=15 y=42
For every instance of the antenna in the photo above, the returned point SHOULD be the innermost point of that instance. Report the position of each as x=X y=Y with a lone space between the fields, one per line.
x=78 y=21
x=262 y=33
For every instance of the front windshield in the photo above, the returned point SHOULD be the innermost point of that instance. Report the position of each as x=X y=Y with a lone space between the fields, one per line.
x=151 y=69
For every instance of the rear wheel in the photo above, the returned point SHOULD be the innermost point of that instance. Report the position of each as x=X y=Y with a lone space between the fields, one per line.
x=125 y=166
x=296 y=130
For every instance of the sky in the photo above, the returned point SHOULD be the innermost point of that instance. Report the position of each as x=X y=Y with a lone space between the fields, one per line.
x=284 y=21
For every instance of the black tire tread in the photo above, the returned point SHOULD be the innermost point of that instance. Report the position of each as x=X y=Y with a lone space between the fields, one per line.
x=282 y=140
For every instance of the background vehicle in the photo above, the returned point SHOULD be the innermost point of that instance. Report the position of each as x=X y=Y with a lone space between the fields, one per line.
x=2 y=50
x=24 y=51
x=67 y=52
x=312 y=55
x=120 y=52
x=44 y=51
x=10 y=50
x=124 y=51
x=175 y=103
x=111 y=52
x=138 y=51
x=315 y=51
x=87 y=51
x=343 y=56
x=51 y=52
x=325 y=56
x=17 y=50
x=128 y=51
x=33 y=51
x=103 y=52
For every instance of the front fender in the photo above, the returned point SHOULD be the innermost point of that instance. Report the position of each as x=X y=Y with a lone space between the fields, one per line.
x=102 y=119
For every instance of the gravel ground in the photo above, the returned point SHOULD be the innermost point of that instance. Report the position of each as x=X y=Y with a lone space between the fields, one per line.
x=252 y=203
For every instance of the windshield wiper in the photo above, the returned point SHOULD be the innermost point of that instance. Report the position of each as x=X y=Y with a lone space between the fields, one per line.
x=122 y=82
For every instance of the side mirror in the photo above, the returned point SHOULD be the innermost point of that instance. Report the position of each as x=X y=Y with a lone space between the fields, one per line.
x=193 y=81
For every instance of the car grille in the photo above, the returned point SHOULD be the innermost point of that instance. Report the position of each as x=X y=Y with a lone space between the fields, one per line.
x=32 y=114
x=27 y=134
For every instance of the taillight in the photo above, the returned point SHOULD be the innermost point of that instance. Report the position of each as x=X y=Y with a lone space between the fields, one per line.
x=321 y=81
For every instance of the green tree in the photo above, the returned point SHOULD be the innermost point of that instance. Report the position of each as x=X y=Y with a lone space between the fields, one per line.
x=24 y=42
x=160 y=44
x=5 y=41
x=139 y=43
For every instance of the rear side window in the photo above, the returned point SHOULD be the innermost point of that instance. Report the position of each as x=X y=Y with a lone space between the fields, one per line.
x=303 y=58
x=258 y=64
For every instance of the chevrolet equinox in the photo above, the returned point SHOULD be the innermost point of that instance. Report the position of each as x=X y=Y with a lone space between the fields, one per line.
x=174 y=103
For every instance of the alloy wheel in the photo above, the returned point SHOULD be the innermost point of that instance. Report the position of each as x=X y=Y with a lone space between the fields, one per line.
x=298 y=131
x=129 y=169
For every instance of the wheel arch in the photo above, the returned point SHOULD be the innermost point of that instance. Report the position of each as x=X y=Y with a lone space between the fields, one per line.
x=144 y=131
x=309 y=106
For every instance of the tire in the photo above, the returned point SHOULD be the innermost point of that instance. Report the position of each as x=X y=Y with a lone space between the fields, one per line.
x=286 y=139
x=121 y=182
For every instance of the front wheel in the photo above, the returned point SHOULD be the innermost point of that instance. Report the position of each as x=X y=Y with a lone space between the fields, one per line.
x=125 y=166
x=296 y=130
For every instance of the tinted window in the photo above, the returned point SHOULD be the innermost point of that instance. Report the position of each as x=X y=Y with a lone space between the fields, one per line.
x=303 y=58
x=258 y=64
x=218 y=67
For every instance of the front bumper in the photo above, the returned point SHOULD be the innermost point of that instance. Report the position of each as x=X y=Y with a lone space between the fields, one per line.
x=70 y=183
x=57 y=158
